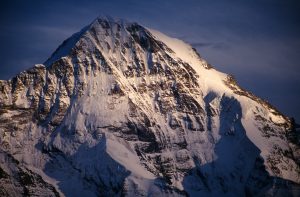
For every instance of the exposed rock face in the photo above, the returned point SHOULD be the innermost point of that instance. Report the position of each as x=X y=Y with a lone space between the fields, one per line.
x=119 y=109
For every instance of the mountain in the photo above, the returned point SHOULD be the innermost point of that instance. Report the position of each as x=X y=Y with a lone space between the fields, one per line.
x=124 y=110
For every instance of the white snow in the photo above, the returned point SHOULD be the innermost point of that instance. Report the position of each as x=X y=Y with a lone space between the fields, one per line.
x=121 y=152
x=211 y=79
x=180 y=48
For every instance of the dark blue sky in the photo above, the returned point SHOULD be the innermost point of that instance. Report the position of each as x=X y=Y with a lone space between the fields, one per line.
x=258 y=41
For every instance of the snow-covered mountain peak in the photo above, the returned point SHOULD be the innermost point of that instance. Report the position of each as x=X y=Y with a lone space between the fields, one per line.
x=120 y=109
x=101 y=24
x=112 y=20
x=117 y=28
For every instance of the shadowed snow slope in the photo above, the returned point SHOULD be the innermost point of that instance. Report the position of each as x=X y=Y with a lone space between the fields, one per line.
x=120 y=109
